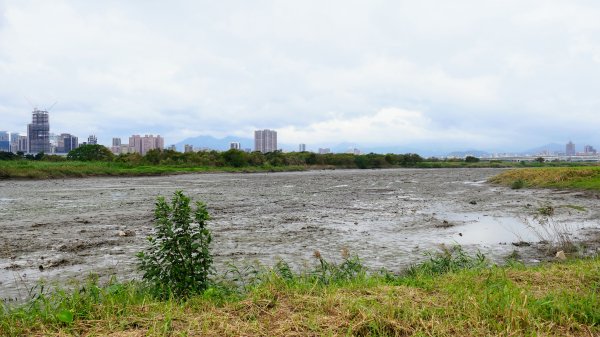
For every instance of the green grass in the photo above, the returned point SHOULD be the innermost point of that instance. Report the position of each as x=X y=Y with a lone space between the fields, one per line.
x=29 y=169
x=51 y=170
x=451 y=294
x=585 y=178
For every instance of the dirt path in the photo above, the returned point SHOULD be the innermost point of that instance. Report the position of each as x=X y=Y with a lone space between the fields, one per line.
x=59 y=229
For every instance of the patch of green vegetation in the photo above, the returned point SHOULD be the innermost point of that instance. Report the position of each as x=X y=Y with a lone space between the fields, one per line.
x=583 y=177
x=576 y=207
x=450 y=294
x=517 y=184
x=546 y=210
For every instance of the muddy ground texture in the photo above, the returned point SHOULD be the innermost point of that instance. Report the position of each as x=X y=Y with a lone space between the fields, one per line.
x=63 y=229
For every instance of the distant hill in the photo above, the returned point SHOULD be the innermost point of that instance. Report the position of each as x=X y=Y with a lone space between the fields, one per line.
x=213 y=143
x=552 y=148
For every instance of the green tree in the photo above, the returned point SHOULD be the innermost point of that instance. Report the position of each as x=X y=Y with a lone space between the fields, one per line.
x=178 y=261
x=471 y=159
x=91 y=152
x=235 y=158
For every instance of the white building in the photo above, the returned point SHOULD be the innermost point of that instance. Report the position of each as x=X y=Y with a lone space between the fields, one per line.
x=265 y=140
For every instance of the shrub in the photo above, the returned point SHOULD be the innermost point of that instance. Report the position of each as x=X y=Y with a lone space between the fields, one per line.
x=517 y=184
x=178 y=261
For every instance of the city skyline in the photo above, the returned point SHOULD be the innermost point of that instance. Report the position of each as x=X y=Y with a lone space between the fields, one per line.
x=497 y=76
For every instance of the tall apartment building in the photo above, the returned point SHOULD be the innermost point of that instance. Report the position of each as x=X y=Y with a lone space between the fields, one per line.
x=235 y=146
x=66 y=142
x=265 y=140
x=302 y=148
x=588 y=149
x=14 y=142
x=325 y=150
x=188 y=148
x=23 y=144
x=116 y=145
x=38 y=132
x=144 y=144
x=570 y=149
x=4 y=141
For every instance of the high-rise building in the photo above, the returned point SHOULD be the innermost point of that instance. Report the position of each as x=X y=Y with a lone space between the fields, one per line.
x=588 y=149
x=144 y=144
x=265 y=140
x=23 y=144
x=66 y=143
x=38 y=132
x=116 y=146
x=188 y=148
x=325 y=150
x=92 y=140
x=235 y=146
x=4 y=141
x=14 y=142
x=302 y=148
x=172 y=148
x=570 y=149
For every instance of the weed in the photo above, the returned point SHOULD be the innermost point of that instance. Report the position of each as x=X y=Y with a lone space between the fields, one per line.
x=178 y=261
x=546 y=210
x=447 y=260
x=518 y=184
x=557 y=235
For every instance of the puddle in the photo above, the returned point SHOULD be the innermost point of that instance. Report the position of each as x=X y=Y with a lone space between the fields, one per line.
x=486 y=230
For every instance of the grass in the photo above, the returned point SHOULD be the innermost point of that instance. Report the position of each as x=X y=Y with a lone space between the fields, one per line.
x=587 y=178
x=451 y=294
x=29 y=169
x=52 y=170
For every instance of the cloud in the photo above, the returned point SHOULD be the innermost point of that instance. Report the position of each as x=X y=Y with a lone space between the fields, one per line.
x=386 y=126
x=464 y=73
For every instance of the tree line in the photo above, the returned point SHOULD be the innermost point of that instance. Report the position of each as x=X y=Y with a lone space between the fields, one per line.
x=230 y=158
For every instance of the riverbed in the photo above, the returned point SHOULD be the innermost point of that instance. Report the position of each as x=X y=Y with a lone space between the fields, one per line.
x=58 y=230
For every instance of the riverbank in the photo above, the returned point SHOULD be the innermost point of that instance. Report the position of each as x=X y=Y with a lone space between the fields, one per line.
x=81 y=169
x=583 y=178
x=451 y=294
x=30 y=169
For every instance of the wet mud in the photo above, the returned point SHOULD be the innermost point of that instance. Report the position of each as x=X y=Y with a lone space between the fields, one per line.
x=63 y=229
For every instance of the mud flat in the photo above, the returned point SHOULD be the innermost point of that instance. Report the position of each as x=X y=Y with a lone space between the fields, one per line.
x=62 y=229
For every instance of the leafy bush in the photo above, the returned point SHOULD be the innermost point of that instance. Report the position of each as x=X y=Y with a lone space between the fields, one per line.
x=178 y=261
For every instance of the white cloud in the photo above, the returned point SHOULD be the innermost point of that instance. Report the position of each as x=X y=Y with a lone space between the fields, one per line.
x=485 y=73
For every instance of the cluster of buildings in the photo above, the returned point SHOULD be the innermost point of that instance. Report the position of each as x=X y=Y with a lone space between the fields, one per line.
x=138 y=144
x=38 y=138
x=588 y=150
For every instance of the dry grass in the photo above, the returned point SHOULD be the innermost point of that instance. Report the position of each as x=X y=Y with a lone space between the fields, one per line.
x=572 y=177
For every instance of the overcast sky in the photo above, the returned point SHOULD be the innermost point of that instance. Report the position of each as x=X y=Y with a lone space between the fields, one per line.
x=435 y=75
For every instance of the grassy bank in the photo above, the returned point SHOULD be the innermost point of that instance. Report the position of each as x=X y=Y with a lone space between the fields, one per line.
x=450 y=295
x=29 y=169
x=77 y=169
x=572 y=177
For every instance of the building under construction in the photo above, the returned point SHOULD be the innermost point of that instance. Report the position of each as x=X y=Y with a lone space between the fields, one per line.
x=38 y=132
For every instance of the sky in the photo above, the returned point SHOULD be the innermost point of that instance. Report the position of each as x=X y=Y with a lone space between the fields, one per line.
x=427 y=75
